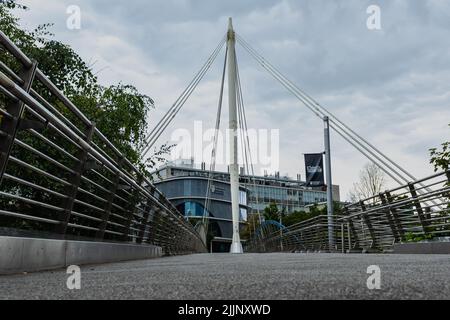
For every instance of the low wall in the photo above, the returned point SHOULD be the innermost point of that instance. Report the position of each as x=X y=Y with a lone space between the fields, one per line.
x=422 y=248
x=30 y=255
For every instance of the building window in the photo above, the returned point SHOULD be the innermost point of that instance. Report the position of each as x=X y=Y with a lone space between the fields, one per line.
x=191 y=209
x=243 y=198
x=243 y=214
x=216 y=190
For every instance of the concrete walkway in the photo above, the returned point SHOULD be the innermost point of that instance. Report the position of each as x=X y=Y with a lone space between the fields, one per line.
x=248 y=276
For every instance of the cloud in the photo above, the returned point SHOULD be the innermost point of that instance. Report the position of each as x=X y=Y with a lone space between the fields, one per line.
x=391 y=85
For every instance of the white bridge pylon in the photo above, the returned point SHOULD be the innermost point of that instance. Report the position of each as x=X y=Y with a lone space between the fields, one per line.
x=236 y=246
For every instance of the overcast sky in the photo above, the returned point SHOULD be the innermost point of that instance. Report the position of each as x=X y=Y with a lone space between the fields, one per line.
x=389 y=85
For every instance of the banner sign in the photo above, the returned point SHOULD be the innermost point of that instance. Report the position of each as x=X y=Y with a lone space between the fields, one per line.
x=314 y=170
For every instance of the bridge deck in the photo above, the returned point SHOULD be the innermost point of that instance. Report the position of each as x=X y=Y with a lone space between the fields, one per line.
x=249 y=276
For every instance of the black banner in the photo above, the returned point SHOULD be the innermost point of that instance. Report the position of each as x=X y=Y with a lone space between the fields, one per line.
x=314 y=170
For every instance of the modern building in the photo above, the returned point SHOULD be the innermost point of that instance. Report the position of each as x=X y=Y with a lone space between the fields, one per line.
x=186 y=187
x=288 y=194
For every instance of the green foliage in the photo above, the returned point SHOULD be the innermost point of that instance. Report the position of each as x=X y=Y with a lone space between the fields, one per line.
x=297 y=217
x=251 y=226
x=64 y=67
x=12 y=4
x=271 y=212
x=119 y=111
x=411 y=237
x=440 y=159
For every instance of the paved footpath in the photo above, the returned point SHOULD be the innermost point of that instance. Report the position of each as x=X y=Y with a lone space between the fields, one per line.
x=248 y=276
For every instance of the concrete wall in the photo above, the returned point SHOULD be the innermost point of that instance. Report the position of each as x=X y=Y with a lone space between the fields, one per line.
x=30 y=255
x=422 y=248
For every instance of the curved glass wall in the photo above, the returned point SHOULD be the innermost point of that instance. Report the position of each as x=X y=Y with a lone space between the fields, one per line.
x=191 y=209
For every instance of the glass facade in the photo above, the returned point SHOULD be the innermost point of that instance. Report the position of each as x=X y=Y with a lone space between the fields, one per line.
x=192 y=193
x=191 y=209
x=195 y=209
x=288 y=194
x=286 y=198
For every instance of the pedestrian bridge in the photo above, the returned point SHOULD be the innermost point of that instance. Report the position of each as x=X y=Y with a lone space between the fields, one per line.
x=69 y=196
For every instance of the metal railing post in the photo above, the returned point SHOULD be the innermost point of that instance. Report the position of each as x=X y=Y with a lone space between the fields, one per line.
x=349 y=237
x=144 y=222
x=390 y=217
x=11 y=125
x=352 y=230
x=74 y=180
x=394 y=213
x=368 y=223
x=110 y=200
x=133 y=202
x=422 y=217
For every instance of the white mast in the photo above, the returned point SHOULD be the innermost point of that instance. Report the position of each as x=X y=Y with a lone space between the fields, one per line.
x=236 y=246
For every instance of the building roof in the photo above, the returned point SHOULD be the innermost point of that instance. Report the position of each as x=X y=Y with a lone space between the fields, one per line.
x=274 y=181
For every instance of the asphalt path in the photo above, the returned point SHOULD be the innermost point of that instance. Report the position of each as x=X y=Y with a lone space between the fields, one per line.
x=247 y=276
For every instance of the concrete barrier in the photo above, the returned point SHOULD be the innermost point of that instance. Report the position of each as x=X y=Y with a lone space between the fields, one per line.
x=30 y=255
x=422 y=248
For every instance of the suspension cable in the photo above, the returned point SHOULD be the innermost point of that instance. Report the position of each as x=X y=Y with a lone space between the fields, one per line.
x=335 y=123
x=214 y=149
x=248 y=152
x=318 y=110
x=154 y=135
x=177 y=107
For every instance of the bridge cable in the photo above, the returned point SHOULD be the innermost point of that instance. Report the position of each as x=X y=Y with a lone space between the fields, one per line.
x=319 y=113
x=335 y=123
x=214 y=149
x=336 y=126
x=242 y=125
x=193 y=82
x=154 y=135
x=170 y=115
x=246 y=140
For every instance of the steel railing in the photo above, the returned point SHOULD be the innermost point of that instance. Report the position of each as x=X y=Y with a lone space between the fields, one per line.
x=417 y=211
x=62 y=178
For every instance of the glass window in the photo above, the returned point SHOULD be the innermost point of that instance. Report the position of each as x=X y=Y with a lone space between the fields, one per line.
x=243 y=197
x=191 y=209
x=243 y=214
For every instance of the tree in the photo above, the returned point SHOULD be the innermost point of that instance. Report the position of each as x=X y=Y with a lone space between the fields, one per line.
x=440 y=159
x=314 y=211
x=271 y=212
x=372 y=181
x=251 y=226
x=119 y=111
x=297 y=217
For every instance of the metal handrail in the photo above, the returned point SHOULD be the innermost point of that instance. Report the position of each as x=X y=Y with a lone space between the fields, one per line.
x=375 y=223
x=106 y=202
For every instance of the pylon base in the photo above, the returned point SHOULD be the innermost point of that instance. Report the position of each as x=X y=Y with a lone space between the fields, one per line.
x=236 y=248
